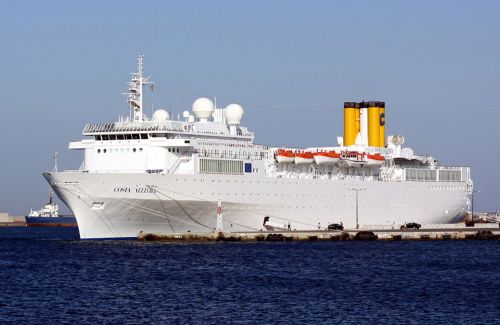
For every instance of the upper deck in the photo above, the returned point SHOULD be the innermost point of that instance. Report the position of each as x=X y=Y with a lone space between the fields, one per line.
x=188 y=129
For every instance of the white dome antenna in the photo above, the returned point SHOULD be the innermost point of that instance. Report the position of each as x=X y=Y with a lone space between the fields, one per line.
x=233 y=114
x=203 y=109
x=161 y=115
x=185 y=114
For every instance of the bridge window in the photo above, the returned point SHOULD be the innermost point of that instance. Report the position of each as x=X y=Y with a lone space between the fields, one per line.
x=450 y=176
x=421 y=175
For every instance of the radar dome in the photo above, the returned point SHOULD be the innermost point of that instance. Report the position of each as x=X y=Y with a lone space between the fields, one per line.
x=233 y=114
x=161 y=115
x=190 y=118
x=203 y=108
x=185 y=114
x=397 y=140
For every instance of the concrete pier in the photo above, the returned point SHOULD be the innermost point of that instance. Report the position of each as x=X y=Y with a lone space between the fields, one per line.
x=483 y=232
x=11 y=221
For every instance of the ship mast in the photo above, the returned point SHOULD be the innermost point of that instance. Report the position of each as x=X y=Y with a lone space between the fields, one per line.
x=135 y=88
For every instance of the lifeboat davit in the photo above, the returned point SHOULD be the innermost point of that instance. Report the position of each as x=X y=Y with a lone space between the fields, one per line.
x=353 y=159
x=375 y=160
x=326 y=157
x=285 y=156
x=303 y=158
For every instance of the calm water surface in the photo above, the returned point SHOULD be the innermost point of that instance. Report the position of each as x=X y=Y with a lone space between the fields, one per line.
x=49 y=276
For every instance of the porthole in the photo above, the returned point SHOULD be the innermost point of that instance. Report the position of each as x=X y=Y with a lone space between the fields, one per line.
x=104 y=151
x=134 y=150
x=98 y=150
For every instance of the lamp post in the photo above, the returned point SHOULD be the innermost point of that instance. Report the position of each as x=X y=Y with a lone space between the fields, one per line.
x=357 y=209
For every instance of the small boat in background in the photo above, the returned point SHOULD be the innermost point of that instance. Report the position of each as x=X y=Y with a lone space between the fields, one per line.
x=49 y=216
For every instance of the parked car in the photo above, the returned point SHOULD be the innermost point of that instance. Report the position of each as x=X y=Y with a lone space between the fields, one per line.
x=411 y=225
x=335 y=226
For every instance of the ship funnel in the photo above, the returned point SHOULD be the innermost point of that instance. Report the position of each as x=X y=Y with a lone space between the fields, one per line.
x=364 y=124
x=351 y=123
x=381 y=107
x=373 y=124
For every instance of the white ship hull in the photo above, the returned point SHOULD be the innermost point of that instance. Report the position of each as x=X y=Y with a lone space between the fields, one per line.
x=121 y=205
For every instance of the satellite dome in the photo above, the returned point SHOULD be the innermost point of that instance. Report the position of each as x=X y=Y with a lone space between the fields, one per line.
x=185 y=114
x=190 y=118
x=161 y=115
x=203 y=108
x=233 y=114
x=397 y=140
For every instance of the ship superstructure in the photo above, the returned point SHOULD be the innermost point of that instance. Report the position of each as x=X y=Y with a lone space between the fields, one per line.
x=156 y=174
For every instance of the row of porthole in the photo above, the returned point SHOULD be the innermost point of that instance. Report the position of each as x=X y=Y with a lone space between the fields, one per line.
x=456 y=188
x=324 y=207
x=118 y=150
x=340 y=196
x=444 y=187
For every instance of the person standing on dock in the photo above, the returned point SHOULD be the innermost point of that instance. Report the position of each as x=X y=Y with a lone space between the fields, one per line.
x=319 y=226
x=289 y=227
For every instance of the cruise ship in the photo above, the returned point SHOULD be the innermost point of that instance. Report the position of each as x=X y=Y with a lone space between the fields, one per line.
x=202 y=172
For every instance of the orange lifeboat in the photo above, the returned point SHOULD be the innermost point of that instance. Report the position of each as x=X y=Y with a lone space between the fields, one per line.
x=375 y=160
x=285 y=156
x=353 y=159
x=302 y=158
x=326 y=157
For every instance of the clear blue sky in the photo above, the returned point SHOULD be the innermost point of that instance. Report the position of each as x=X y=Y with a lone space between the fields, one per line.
x=436 y=64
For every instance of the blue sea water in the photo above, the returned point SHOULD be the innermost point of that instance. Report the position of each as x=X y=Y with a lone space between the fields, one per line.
x=49 y=276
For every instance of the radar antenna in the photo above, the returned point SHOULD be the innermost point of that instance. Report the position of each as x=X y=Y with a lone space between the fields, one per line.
x=135 y=88
x=54 y=170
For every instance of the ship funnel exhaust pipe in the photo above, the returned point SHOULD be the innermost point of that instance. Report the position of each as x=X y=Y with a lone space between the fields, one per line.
x=364 y=124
